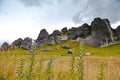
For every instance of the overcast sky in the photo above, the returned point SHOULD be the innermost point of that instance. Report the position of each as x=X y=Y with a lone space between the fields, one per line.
x=25 y=18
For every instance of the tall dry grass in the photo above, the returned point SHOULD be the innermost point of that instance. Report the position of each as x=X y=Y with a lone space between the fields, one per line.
x=9 y=65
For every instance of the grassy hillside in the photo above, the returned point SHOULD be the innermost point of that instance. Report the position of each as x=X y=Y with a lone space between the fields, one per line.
x=10 y=62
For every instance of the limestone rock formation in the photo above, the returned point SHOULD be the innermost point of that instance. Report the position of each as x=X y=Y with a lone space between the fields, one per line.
x=82 y=31
x=16 y=44
x=4 y=46
x=51 y=40
x=56 y=33
x=26 y=43
x=101 y=33
x=42 y=38
x=117 y=31
x=64 y=30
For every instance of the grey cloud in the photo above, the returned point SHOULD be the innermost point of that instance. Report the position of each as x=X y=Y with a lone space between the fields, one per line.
x=30 y=3
x=100 y=8
x=80 y=11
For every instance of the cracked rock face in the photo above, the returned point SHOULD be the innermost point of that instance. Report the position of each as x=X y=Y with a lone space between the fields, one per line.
x=101 y=33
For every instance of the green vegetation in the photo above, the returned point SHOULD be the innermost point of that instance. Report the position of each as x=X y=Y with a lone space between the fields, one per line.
x=20 y=70
x=39 y=65
x=101 y=72
x=80 y=62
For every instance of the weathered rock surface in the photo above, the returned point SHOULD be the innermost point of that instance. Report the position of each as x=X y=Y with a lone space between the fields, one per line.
x=42 y=38
x=4 y=46
x=98 y=34
x=57 y=39
x=117 y=32
x=64 y=30
x=101 y=33
x=70 y=51
x=56 y=33
x=51 y=40
x=26 y=43
x=16 y=44
x=81 y=31
x=66 y=46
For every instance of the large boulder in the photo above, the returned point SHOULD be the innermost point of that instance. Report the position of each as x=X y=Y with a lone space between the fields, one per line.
x=16 y=43
x=56 y=33
x=51 y=40
x=101 y=33
x=73 y=33
x=42 y=38
x=57 y=39
x=117 y=32
x=82 y=31
x=26 y=43
x=4 y=46
x=64 y=30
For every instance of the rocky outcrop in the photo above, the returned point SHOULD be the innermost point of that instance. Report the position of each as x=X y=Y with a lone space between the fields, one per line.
x=51 y=40
x=16 y=44
x=101 y=33
x=117 y=32
x=57 y=39
x=97 y=34
x=82 y=31
x=56 y=33
x=26 y=43
x=42 y=38
x=4 y=46
x=64 y=30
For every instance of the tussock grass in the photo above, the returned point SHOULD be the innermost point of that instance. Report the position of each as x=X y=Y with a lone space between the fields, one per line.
x=64 y=69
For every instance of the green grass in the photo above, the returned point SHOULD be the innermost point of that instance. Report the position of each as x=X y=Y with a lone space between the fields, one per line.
x=113 y=50
x=58 y=51
x=9 y=61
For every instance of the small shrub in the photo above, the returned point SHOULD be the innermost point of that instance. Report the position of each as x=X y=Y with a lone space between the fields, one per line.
x=80 y=61
x=72 y=68
x=20 y=71
x=101 y=72
x=49 y=73
x=31 y=63
x=39 y=68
